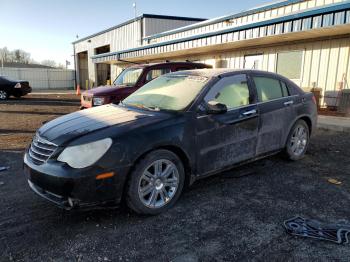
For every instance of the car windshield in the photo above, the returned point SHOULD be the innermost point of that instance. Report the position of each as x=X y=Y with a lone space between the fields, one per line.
x=128 y=77
x=168 y=92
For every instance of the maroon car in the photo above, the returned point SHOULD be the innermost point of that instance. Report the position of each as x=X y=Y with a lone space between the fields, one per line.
x=131 y=79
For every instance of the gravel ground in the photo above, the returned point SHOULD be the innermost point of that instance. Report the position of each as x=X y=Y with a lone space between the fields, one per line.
x=237 y=215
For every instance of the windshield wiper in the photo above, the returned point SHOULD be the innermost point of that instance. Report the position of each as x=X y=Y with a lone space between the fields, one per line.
x=142 y=106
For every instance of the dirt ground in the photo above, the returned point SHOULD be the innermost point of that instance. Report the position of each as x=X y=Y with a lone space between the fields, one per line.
x=235 y=216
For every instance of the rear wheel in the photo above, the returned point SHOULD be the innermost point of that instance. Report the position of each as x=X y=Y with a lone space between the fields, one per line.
x=156 y=183
x=3 y=95
x=298 y=140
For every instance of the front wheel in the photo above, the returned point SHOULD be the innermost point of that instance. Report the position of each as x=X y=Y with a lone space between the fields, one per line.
x=3 y=95
x=298 y=140
x=155 y=183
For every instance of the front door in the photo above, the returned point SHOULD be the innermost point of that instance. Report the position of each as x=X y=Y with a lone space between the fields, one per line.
x=225 y=139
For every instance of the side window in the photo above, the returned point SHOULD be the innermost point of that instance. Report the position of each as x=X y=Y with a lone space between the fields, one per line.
x=233 y=91
x=154 y=73
x=267 y=88
x=284 y=89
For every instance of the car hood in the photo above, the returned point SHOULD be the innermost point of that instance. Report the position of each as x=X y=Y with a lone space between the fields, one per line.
x=103 y=90
x=74 y=125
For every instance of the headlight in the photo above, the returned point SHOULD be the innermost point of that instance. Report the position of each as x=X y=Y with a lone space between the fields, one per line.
x=98 y=101
x=18 y=85
x=85 y=155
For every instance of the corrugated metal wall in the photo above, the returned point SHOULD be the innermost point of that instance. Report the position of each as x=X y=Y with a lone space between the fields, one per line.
x=118 y=39
x=42 y=78
x=153 y=26
x=248 y=19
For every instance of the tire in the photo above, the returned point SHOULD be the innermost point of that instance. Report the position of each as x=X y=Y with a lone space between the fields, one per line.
x=3 y=95
x=298 y=141
x=150 y=192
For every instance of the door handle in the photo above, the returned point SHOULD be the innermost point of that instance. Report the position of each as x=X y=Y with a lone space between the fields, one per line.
x=288 y=103
x=250 y=112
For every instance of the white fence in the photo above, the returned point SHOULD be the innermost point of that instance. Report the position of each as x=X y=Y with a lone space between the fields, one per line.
x=42 y=78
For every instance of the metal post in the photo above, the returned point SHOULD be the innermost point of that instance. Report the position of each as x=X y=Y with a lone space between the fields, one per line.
x=135 y=11
x=2 y=59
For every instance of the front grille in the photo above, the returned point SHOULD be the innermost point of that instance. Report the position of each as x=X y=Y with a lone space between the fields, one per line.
x=40 y=150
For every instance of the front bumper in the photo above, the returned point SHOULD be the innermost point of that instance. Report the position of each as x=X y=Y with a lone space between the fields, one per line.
x=74 y=188
x=24 y=90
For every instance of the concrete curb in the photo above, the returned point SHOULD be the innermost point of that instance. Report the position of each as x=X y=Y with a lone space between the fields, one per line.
x=340 y=124
x=330 y=127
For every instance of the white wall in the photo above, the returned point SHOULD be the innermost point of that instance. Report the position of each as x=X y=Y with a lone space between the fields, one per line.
x=42 y=78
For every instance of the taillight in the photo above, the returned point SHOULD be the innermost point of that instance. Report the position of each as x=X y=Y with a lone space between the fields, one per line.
x=314 y=100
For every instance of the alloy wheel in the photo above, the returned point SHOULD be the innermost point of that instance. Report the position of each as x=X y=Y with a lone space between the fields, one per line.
x=3 y=95
x=299 y=139
x=158 y=183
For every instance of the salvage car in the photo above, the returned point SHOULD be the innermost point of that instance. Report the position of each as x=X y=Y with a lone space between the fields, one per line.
x=16 y=88
x=131 y=79
x=174 y=130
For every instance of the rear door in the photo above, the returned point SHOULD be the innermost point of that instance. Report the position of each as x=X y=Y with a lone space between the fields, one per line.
x=225 y=139
x=276 y=111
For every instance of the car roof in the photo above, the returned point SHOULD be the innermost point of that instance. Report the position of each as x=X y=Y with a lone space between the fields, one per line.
x=220 y=72
x=168 y=63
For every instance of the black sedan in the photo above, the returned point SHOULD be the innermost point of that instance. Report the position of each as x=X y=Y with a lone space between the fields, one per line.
x=174 y=130
x=16 y=88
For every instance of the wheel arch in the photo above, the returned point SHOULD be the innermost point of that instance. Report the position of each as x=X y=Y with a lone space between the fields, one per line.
x=307 y=121
x=305 y=118
x=178 y=151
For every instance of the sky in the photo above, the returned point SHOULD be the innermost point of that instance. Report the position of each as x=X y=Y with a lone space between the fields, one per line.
x=47 y=28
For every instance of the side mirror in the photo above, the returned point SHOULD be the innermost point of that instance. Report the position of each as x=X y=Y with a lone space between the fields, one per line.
x=213 y=107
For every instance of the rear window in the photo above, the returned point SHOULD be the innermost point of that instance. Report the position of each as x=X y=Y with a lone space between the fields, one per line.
x=154 y=73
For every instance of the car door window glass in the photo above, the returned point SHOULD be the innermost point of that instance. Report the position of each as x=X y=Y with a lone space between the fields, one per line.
x=267 y=88
x=154 y=73
x=284 y=89
x=232 y=91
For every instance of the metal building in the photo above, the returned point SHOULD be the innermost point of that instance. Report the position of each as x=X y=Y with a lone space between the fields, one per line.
x=306 y=40
x=123 y=36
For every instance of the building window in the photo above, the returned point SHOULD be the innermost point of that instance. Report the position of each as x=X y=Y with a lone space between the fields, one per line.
x=327 y=20
x=289 y=64
x=306 y=24
x=317 y=21
x=288 y=27
x=339 y=18
x=297 y=25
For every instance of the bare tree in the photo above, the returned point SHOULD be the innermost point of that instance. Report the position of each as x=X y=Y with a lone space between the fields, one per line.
x=51 y=63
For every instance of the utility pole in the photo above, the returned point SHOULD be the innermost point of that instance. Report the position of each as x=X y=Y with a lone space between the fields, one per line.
x=2 y=58
x=135 y=10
